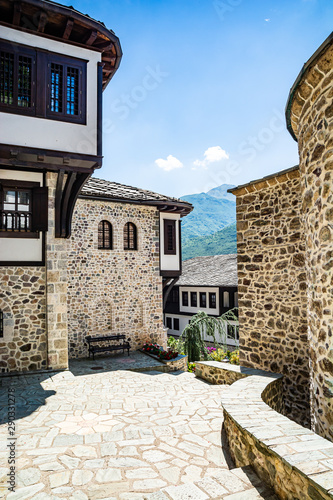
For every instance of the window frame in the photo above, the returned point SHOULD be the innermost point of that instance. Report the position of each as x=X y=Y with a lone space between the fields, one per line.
x=32 y=187
x=12 y=48
x=42 y=60
x=176 y=322
x=194 y=294
x=203 y=303
x=170 y=223
x=168 y=321
x=135 y=237
x=109 y=225
x=226 y=299
x=211 y=301
x=185 y=294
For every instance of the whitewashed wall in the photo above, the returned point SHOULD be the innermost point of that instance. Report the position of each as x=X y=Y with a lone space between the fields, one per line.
x=43 y=133
x=194 y=310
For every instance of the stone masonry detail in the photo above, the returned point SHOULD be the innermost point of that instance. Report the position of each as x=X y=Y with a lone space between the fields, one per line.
x=312 y=124
x=114 y=290
x=56 y=275
x=272 y=285
x=22 y=300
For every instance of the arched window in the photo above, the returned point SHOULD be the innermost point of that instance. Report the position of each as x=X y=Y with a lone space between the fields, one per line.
x=105 y=235
x=130 y=236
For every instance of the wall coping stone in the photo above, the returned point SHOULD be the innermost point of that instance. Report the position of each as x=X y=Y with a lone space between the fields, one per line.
x=264 y=182
x=305 y=453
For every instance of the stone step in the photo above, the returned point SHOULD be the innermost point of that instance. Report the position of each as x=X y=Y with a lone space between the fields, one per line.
x=236 y=484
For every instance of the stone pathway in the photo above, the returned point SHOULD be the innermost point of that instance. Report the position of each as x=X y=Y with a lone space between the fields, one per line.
x=91 y=435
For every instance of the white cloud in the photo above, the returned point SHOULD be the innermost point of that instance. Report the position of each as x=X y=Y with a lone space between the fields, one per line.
x=169 y=164
x=212 y=155
x=267 y=20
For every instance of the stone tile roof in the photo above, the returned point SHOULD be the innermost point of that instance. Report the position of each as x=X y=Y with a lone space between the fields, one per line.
x=216 y=270
x=99 y=188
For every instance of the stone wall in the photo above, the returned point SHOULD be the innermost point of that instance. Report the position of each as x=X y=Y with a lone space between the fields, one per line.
x=311 y=121
x=293 y=460
x=56 y=278
x=114 y=290
x=272 y=285
x=22 y=300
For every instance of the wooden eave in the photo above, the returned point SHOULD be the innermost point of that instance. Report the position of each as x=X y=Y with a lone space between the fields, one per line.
x=65 y=24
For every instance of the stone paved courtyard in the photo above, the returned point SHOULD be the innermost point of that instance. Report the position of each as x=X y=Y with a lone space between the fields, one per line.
x=109 y=434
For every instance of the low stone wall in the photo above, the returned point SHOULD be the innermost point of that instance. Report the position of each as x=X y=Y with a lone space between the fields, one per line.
x=294 y=461
x=171 y=365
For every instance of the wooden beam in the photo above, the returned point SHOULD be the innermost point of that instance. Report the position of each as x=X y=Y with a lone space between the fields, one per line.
x=104 y=46
x=68 y=29
x=17 y=14
x=109 y=58
x=42 y=22
x=90 y=37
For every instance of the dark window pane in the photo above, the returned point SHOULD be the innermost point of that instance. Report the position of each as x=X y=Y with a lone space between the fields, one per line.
x=212 y=300
x=170 y=237
x=130 y=237
x=185 y=299
x=176 y=324
x=6 y=78
x=194 y=300
x=104 y=235
x=231 y=331
x=72 y=98
x=24 y=82
x=203 y=299
x=175 y=296
x=169 y=323
x=56 y=88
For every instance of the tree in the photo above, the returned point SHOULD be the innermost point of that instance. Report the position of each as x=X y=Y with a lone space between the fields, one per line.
x=201 y=324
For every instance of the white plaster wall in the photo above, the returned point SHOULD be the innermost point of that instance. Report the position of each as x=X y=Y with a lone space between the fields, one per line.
x=43 y=133
x=198 y=289
x=169 y=262
x=183 y=322
x=21 y=249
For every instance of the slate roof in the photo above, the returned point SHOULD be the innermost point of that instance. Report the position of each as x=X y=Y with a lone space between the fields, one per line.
x=218 y=270
x=99 y=188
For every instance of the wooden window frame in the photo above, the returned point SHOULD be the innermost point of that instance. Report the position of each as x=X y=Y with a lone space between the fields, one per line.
x=105 y=223
x=194 y=294
x=17 y=51
x=201 y=296
x=127 y=227
x=176 y=322
x=211 y=294
x=41 y=78
x=185 y=294
x=39 y=196
x=170 y=223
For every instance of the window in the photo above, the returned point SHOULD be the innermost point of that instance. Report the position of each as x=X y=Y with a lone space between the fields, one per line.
x=1 y=324
x=225 y=299
x=185 y=299
x=170 y=237
x=169 y=323
x=176 y=324
x=237 y=333
x=105 y=235
x=23 y=209
x=194 y=300
x=231 y=332
x=212 y=300
x=236 y=299
x=203 y=299
x=130 y=236
x=60 y=78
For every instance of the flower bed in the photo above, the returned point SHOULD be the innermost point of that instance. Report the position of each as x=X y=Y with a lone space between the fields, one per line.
x=159 y=352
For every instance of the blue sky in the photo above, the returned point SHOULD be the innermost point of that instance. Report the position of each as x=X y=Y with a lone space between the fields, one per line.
x=200 y=94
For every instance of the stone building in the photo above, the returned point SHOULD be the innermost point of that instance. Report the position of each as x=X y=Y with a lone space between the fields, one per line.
x=285 y=248
x=115 y=284
x=54 y=65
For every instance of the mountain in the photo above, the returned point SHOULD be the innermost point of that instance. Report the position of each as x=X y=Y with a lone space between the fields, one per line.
x=210 y=214
x=219 y=243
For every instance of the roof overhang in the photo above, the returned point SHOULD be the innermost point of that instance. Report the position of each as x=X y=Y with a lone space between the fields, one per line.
x=299 y=79
x=58 y=22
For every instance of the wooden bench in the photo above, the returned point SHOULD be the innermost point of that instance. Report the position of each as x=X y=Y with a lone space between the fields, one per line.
x=107 y=343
